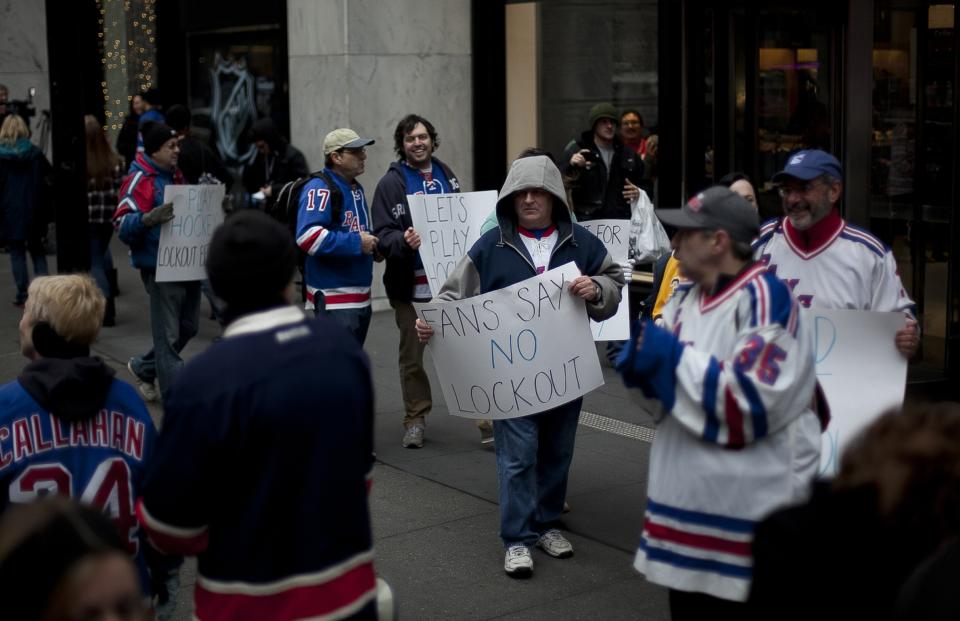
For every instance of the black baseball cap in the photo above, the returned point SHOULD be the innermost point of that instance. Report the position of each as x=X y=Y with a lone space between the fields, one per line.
x=713 y=209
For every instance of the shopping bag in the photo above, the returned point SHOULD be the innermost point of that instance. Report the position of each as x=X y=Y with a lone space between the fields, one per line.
x=648 y=239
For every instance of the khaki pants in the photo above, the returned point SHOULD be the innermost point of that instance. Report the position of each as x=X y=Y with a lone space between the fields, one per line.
x=414 y=383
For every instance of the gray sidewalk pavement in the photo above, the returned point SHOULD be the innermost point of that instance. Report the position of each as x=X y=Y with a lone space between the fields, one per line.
x=434 y=510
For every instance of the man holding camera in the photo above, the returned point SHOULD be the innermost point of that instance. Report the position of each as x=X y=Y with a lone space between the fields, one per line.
x=605 y=173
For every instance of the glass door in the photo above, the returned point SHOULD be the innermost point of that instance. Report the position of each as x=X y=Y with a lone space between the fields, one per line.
x=912 y=167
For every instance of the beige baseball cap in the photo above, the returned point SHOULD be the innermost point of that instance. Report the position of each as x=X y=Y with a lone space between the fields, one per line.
x=344 y=138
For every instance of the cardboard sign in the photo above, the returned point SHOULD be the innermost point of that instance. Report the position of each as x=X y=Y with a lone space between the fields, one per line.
x=615 y=235
x=448 y=224
x=516 y=351
x=184 y=240
x=860 y=370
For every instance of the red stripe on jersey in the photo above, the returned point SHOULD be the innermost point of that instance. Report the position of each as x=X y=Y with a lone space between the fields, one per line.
x=421 y=280
x=299 y=602
x=346 y=298
x=306 y=244
x=169 y=543
x=696 y=540
x=734 y=418
x=547 y=232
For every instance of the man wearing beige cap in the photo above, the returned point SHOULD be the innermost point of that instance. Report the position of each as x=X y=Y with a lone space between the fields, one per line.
x=333 y=224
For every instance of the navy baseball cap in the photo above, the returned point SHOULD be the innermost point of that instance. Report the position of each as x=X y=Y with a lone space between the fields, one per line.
x=714 y=209
x=809 y=164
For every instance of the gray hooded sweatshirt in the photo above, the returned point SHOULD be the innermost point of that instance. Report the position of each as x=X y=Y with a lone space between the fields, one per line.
x=499 y=259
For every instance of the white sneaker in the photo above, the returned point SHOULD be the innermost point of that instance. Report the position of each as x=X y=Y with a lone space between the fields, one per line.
x=413 y=436
x=555 y=544
x=518 y=563
x=147 y=389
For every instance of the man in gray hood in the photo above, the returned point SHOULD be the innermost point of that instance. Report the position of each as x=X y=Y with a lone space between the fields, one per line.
x=535 y=234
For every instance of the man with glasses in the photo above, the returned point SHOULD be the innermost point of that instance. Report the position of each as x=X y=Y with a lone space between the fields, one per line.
x=605 y=173
x=336 y=235
x=826 y=262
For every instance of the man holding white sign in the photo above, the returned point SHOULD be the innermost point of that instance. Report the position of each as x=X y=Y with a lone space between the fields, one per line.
x=733 y=369
x=174 y=306
x=534 y=452
x=417 y=171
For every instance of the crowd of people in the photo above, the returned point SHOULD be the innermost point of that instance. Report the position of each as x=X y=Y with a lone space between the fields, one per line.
x=736 y=520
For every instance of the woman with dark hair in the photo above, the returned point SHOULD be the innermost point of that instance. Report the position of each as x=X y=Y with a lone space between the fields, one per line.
x=104 y=175
x=24 y=196
x=60 y=561
x=740 y=183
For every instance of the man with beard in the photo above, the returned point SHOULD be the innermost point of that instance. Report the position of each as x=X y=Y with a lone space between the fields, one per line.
x=827 y=262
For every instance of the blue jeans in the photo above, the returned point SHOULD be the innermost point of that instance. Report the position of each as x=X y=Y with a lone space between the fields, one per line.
x=533 y=463
x=18 y=264
x=100 y=259
x=355 y=320
x=174 y=320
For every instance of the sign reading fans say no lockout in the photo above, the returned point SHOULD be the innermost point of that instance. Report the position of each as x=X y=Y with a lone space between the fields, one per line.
x=515 y=351
x=184 y=240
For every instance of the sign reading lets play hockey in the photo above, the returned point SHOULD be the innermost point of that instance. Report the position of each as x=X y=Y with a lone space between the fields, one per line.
x=448 y=224
x=184 y=240
x=516 y=351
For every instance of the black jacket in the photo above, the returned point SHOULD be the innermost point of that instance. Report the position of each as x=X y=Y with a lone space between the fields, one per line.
x=391 y=217
x=25 y=191
x=196 y=158
x=598 y=193
x=288 y=164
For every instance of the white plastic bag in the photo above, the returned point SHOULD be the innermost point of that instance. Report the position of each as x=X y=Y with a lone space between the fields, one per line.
x=648 y=240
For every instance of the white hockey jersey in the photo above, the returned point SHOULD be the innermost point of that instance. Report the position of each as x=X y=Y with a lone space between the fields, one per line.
x=833 y=265
x=738 y=436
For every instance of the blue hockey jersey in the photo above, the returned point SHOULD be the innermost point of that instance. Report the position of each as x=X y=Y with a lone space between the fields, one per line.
x=69 y=427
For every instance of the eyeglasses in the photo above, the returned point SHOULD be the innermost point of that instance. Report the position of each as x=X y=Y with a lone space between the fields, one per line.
x=354 y=152
x=631 y=123
x=785 y=191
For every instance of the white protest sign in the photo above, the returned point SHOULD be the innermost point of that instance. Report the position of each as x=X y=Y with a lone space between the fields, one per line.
x=615 y=235
x=860 y=370
x=184 y=240
x=516 y=351
x=448 y=224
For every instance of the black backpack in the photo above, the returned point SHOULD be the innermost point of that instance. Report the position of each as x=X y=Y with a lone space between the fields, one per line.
x=284 y=209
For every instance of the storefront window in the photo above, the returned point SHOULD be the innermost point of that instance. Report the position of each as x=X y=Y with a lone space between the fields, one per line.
x=793 y=86
x=912 y=156
x=594 y=52
x=235 y=78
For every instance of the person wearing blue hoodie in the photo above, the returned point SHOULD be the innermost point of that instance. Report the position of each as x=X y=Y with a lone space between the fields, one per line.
x=174 y=306
x=24 y=174
x=534 y=452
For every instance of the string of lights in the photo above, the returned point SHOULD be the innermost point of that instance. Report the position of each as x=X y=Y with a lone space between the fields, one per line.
x=127 y=35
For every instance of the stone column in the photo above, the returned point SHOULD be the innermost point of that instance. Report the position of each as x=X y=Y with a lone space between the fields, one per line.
x=365 y=64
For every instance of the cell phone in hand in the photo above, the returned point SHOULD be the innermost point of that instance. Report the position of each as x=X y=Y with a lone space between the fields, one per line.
x=590 y=156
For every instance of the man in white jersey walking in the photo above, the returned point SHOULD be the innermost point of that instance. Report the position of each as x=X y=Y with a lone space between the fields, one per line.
x=733 y=370
x=827 y=262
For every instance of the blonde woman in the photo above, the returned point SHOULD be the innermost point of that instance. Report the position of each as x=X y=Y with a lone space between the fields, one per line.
x=24 y=174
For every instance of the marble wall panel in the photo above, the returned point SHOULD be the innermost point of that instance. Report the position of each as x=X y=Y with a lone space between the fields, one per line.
x=318 y=102
x=316 y=27
x=23 y=36
x=409 y=27
x=23 y=53
x=385 y=88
